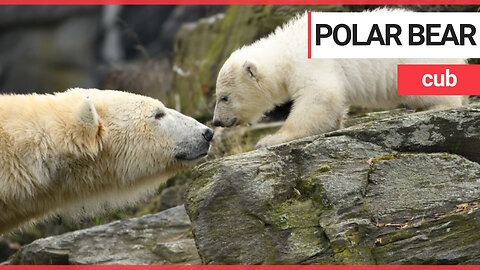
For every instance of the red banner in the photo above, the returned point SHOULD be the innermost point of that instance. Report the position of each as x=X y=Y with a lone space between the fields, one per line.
x=438 y=80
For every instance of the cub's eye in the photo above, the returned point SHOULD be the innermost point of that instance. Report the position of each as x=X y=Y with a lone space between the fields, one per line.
x=159 y=115
x=224 y=98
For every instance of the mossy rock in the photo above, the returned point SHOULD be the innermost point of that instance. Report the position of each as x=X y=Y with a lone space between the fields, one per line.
x=349 y=197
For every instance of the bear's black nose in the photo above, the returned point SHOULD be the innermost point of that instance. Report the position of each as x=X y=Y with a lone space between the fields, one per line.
x=208 y=134
x=217 y=123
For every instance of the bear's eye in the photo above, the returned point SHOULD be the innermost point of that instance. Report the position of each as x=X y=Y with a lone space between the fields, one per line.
x=159 y=115
x=224 y=98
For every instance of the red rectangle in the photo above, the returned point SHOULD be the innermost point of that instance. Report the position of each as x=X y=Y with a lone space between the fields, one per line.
x=438 y=80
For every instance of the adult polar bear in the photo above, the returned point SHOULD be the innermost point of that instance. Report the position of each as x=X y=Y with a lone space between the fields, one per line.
x=275 y=69
x=87 y=149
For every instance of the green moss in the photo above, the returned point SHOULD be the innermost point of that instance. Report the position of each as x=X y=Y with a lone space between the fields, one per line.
x=203 y=176
x=293 y=214
x=310 y=189
x=324 y=168
x=355 y=249
x=387 y=157
x=383 y=158
x=446 y=156
x=345 y=255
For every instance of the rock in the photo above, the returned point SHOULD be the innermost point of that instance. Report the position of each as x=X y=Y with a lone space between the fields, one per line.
x=53 y=48
x=151 y=30
x=373 y=116
x=350 y=197
x=185 y=14
x=454 y=131
x=14 y=15
x=141 y=30
x=40 y=54
x=162 y=238
x=149 y=78
x=193 y=43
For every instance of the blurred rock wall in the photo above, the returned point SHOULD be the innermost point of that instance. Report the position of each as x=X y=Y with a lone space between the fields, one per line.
x=53 y=48
x=47 y=48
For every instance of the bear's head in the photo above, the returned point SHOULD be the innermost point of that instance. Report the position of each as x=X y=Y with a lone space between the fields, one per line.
x=243 y=93
x=136 y=135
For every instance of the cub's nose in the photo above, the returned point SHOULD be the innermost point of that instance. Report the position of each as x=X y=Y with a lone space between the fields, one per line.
x=208 y=134
x=217 y=123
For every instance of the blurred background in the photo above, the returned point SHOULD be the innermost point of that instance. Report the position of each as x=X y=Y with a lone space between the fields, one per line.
x=172 y=53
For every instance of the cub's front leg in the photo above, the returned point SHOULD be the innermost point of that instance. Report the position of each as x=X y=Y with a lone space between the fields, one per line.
x=315 y=111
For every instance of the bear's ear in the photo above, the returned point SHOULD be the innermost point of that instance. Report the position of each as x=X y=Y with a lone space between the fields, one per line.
x=87 y=114
x=88 y=134
x=250 y=69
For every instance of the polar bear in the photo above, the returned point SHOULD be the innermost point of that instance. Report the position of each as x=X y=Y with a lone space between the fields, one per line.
x=86 y=149
x=275 y=70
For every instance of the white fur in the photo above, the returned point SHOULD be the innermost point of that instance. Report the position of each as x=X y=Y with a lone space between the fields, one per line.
x=322 y=89
x=82 y=151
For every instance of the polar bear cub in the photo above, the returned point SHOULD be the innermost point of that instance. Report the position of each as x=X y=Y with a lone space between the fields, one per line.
x=88 y=149
x=275 y=70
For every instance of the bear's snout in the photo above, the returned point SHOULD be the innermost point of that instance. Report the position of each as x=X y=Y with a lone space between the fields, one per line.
x=208 y=134
x=227 y=123
x=217 y=123
x=194 y=143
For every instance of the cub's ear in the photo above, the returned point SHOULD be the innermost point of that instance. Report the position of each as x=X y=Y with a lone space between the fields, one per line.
x=87 y=114
x=250 y=69
x=87 y=135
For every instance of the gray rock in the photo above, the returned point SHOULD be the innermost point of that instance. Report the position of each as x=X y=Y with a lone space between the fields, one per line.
x=149 y=78
x=455 y=131
x=374 y=116
x=162 y=238
x=47 y=59
x=151 y=30
x=346 y=198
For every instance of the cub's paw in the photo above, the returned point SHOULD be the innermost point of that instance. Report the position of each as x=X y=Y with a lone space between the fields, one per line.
x=271 y=140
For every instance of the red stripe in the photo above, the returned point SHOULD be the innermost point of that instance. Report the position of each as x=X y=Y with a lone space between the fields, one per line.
x=240 y=2
x=241 y=267
x=309 y=35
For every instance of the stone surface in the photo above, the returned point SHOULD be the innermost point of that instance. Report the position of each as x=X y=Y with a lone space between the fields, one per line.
x=345 y=198
x=162 y=238
x=44 y=56
x=455 y=131
x=18 y=15
x=149 y=78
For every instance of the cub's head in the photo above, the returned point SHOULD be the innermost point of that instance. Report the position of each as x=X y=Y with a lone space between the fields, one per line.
x=242 y=92
x=141 y=137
